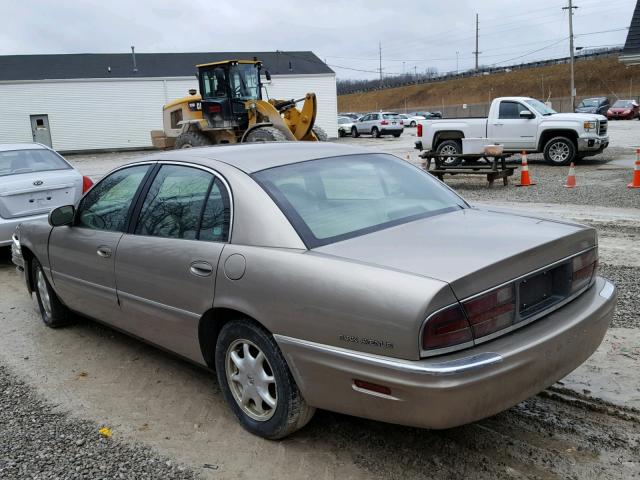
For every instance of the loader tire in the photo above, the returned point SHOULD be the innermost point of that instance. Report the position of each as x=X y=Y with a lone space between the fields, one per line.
x=192 y=139
x=320 y=134
x=265 y=134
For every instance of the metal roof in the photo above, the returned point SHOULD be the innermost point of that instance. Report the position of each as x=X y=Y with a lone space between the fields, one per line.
x=120 y=65
x=632 y=45
x=255 y=156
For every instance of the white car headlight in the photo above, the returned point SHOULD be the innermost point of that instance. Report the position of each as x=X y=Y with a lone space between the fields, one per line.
x=590 y=125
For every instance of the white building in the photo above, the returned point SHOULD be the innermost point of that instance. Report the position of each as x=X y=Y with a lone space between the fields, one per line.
x=113 y=101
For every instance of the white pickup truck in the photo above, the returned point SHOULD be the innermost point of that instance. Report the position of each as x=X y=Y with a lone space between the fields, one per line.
x=516 y=123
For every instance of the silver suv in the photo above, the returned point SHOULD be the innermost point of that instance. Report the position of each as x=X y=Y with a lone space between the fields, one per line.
x=378 y=124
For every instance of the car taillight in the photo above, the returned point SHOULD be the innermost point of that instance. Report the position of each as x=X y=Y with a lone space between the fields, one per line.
x=419 y=129
x=446 y=328
x=491 y=311
x=87 y=183
x=584 y=267
x=401 y=122
x=384 y=122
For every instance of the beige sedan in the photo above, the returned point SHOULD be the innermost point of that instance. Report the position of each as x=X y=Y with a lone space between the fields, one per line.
x=312 y=275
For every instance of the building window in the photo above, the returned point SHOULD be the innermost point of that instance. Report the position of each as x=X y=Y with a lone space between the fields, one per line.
x=176 y=117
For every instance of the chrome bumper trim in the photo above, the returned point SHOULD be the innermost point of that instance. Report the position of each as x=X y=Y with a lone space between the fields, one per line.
x=425 y=367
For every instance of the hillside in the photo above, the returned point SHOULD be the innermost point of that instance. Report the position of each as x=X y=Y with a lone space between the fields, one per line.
x=599 y=76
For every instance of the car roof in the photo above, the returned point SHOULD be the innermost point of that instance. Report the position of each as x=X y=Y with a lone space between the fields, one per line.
x=255 y=156
x=5 y=147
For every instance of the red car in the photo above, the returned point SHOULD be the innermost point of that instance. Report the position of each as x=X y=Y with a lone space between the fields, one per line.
x=624 y=110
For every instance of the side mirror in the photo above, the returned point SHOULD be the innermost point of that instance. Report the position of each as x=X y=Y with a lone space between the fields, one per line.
x=62 y=216
x=527 y=114
x=267 y=75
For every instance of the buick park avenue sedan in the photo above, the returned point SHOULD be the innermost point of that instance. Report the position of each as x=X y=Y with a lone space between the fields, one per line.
x=324 y=276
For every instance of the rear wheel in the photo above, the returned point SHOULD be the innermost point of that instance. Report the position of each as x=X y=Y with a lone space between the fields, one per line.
x=412 y=124
x=192 y=139
x=449 y=147
x=375 y=132
x=54 y=313
x=320 y=134
x=354 y=132
x=257 y=383
x=341 y=133
x=265 y=134
x=560 y=151
x=397 y=134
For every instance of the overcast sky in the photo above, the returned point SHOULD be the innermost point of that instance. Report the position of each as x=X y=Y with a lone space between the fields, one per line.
x=414 y=34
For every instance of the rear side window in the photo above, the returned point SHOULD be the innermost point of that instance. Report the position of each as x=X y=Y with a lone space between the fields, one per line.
x=510 y=110
x=106 y=206
x=216 y=217
x=15 y=162
x=174 y=203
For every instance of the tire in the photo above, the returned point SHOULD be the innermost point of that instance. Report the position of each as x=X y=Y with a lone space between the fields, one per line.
x=560 y=151
x=397 y=135
x=354 y=132
x=341 y=133
x=54 y=313
x=192 y=139
x=289 y=411
x=412 y=124
x=265 y=134
x=375 y=132
x=450 y=147
x=320 y=134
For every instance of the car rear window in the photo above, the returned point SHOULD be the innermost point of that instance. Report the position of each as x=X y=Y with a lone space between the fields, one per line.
x=390 y=116
x=332 y=199
x=14 y=162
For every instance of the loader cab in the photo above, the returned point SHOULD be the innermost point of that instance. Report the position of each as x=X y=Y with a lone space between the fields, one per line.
x=225 y=88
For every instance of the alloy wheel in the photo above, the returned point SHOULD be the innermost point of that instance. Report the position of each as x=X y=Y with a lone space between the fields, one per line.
x=251 y=380
x=43 y=291
x=559 y=152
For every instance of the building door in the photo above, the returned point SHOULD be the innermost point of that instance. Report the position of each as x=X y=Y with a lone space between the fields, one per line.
x=40 y=129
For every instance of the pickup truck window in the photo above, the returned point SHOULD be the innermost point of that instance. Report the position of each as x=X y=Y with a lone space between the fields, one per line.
x=510 y=110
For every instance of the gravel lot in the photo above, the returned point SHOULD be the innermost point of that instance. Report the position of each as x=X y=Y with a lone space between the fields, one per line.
x=41 y=443
x=58 y=387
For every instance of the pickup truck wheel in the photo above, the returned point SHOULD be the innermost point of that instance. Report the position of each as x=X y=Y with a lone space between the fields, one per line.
x=559 y=151
x=450 y=147
x=375 y=132
x=54 y=313
x=257 y=383
x=354 y=132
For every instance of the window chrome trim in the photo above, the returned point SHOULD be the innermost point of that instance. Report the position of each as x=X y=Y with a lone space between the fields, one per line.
x=448 y=367
x=480 y=340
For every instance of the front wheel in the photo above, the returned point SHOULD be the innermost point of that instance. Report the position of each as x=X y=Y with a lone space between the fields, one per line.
x=265 y=134
x=257 y=383
x=320 y=134
x=560 y=151
x=54 y=313
x=192 y=139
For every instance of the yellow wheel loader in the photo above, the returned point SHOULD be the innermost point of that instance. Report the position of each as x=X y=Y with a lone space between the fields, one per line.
x=230 y=109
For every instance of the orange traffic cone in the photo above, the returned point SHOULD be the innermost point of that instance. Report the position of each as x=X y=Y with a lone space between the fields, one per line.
x=571 y=178
x=525 y=180
x=635 y=183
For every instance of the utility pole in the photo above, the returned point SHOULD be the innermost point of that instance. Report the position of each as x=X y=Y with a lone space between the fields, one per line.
x=457 y=69
x=570 y=8
x=477 y=52
x=380 y=52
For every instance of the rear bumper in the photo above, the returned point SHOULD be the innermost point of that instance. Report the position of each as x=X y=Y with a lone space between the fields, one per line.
x=391 y=131
x=459 y=388
x=8 y=226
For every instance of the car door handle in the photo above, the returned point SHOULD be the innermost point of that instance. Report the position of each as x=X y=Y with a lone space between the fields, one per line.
x=498 y=124
x=104 y=252
x=201 y=269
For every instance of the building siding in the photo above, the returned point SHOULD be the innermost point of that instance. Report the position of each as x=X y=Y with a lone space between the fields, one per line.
x=116 y=114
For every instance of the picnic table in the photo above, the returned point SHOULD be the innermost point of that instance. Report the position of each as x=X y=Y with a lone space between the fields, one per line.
x=495 y=167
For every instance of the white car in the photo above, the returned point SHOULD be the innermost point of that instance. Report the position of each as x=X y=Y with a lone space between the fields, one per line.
x=345 y=124
x=377 y=124
x=34 y=179
x=410 y=120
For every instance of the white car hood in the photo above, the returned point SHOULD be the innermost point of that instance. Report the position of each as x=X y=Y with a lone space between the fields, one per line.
x=575 y=117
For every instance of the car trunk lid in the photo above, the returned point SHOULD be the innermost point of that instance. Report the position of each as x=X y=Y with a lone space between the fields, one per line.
x=471 y=249
x=32 y=193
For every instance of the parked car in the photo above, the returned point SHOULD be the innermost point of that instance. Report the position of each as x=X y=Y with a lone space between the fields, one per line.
x=298 y=273
x=428 y=115
x=351 y=115
x=624 y=110
x=33 y=180
x=378 y=124
x=345 y=124
x=518 y=123
x=598 y=105
x=410 y=120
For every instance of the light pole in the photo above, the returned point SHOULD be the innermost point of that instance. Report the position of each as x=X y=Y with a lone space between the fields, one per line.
x=457 y=69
